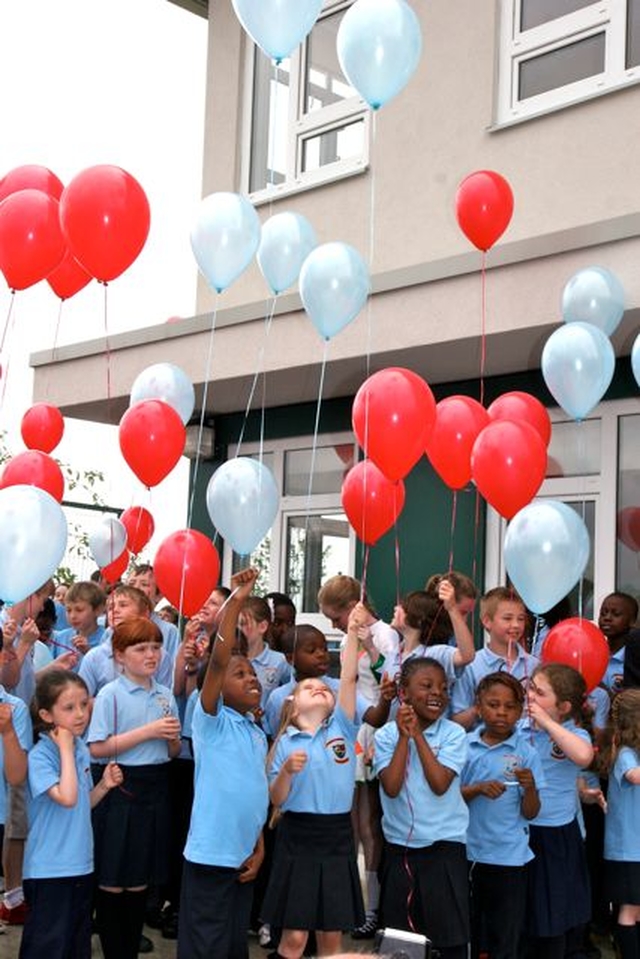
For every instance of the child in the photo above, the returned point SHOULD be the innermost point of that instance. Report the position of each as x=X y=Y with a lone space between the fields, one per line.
x=622 y=837
x=271 y=667
x=559 y=899
x=283 y=617
x=618 y=613
x=143 y=578
x=500 y=783
x=224 y=847
x=135 y=721
x=503 y=615
x=314 y=883
x=419 y=758
x=465 y=589
x=84 y=603
x=58 y=861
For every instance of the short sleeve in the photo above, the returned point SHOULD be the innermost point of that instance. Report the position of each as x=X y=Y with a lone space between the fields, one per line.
x=102 y=723
x=626 y=761
x=44 y=770
x=384 y=744
x=22 y=725
x=453 y=748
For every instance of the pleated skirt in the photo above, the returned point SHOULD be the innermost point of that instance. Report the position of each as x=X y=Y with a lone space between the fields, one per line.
x=559 y=896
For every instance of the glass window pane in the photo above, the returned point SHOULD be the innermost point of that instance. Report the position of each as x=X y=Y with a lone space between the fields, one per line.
x=324 y=82
x=567 y=64
x=270 y=120
x=260 y=559
x=535 y=12
x=317 y=548
x=633 y=33
x=574 y=449
x=581 y=596
x=341 y=143
x=331 y=464
x=628 y=520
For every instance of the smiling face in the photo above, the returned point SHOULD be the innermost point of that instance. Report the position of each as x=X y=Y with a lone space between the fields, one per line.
x=506 y=626
x=312 y=695
x=71 y=709
x=241 y=689
x=499 y=711
x=427 y=691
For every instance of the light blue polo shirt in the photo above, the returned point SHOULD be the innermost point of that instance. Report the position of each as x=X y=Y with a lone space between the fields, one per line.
x=122 y=705
x=231 y=794
x=485 y=662
x=273 y=709
x=621 y=832
x=99 y=667
x=22 y=725
x=272 y=670
x=170 y=636
x=498 y=833
x=600 y=702
x=614 y=674
x=416 y=817
x=326 y=783
x=63 y=642
x=60 y=838
x=441 y=652
x=558 y=800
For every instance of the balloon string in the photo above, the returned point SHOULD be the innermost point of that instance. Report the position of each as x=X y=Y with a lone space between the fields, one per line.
x=396 y=549
x=205 y=391
x=6 y=333
x=7 y=320
x=476 y=537
x=483 y=324
x=407 y=864
x=365 y=567
x=454 y=508
x=256 y=376
x=314 y=447
x=107 y=345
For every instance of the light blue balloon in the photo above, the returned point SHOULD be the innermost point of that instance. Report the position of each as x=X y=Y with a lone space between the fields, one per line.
x=635 y=359
x=334 y=286
x=287 y=240
x=165 y=381
x=225 y=238
x=594 y=295
x=546 y=550
x=277 y=26
x=33 y=534
x=577 y=364
x=242 y=501
x=379 y=45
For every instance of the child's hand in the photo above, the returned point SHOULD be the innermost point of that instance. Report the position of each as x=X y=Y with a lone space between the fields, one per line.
x=9 y=630
x=407 y=721
x=592 y=797
x=295 y=762
x=63 y=738
x=168 y=727
x=242 y=583
x=112 y=776
x=525 y=778
x=446 y=594
x=81 y=643
x=387 y=688
x=30 y=632
x=538 y=715
x=491 y=788
x=6 y=721
x=251 y=866
x=66 y=660
x=358 y=617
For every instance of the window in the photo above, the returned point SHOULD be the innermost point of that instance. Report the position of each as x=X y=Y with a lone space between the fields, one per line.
x=628 y=507
x=556 y=52
x=307 y=125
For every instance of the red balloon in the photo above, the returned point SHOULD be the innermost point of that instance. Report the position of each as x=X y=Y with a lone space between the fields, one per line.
x=31 y=242
x=371 y=501
x=152 y=438
x=42 y=427
x=31 y=177
x=34 y=468
x=115 y=570
x=628 y=527
x=139 y=525
x=105 y=220
x=508 y=465
x=459 y=420
x=577 y=642
x=484 y=205
x=522 y=408
x=393 y=415
x=69 y=277
x=187 y=567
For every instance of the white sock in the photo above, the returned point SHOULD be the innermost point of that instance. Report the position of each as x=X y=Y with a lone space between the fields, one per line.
x=13 y=897
x=373 y=892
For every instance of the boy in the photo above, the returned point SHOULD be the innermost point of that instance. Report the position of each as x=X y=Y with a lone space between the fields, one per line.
x=618 y=613
x=84 y=603
x=143 y=578
x=283 y=617
x=503 y=615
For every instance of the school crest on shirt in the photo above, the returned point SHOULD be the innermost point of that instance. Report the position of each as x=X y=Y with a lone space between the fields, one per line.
x=510 y=763
x=269 y=676
x=338 y=748
x=556 y=752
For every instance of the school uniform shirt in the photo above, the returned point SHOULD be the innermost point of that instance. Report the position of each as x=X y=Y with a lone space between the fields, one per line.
x=613 y=678
x=621 y=832
x=498 y=833
x=60 y=839
x=441 y=652
x=273 y=709
x=231 y=794
x=22 y=726
x=599 y=702
x=416 y=817
x=99 y=667
x=326 y=782
x=123 y=705
x=272 y=670
x=170 y=636
x=26 y=685
x=63 y=641
x=485 y=662
x=558 y=795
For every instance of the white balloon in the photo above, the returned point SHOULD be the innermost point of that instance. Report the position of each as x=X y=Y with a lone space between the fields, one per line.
x=33 y=534
x=277 y=26
x=164 y=381
x=107 y=541
x=242 y=500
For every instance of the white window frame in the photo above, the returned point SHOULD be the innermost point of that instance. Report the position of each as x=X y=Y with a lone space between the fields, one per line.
x=303 y=126
x=515 y=47
x=296 y=506
x=602 y=488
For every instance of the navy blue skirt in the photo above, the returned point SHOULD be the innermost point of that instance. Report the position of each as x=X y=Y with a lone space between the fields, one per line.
x=622 y=882
x=559 y=897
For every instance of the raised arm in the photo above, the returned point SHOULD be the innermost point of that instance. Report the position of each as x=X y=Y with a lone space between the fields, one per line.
x=465 y=649
x=349 y=666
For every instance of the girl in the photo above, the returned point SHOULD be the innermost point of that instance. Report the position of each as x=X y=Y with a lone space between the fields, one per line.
x=419 y=758
x=622 y=838
x=500 y=783
x=135 y=721
x=559 y=899
x=314 y=883
x=224 y=847
x=272 y=668
x=58 y=862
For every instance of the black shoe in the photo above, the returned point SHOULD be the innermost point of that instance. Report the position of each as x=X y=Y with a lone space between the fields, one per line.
x=170 y=925
x=153 y=917
x=367 y=930
x=145 y=945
